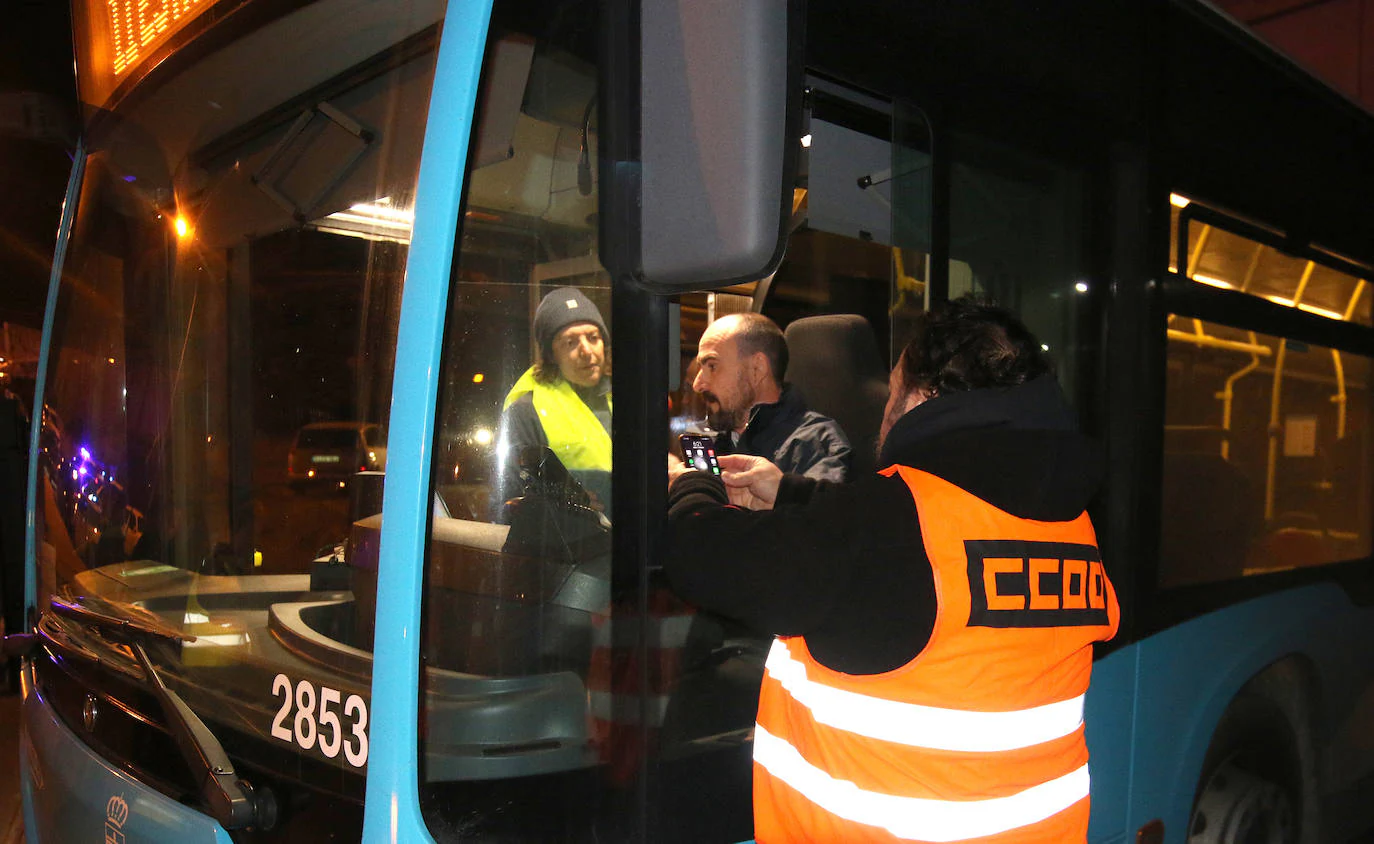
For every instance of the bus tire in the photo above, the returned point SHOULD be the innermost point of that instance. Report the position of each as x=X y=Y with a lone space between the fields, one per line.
x=1250 y=790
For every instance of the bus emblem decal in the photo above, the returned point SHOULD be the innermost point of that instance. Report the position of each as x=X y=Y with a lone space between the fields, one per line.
x=116 y=815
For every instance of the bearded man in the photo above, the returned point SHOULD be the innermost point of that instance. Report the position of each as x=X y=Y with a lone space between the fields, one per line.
x=742 y=358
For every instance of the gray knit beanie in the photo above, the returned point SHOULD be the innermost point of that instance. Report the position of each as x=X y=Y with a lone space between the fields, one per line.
x=559 y=309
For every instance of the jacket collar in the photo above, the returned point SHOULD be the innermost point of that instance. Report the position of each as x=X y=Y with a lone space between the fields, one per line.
x=1037 y=405
x=1016 y=448
x=764 y=416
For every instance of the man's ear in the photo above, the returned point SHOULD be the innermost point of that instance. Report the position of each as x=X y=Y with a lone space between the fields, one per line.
x=759 y=370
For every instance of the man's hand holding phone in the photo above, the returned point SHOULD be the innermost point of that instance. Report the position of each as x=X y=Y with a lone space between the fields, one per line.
x=751 y=482
x=699 y=452
x=676 y=469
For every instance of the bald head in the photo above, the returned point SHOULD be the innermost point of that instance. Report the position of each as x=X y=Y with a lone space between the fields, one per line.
x=742 y=359
x=755 y=334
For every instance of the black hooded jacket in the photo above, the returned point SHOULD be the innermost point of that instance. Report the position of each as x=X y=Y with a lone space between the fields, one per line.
x=845 y=564
x=797 y=440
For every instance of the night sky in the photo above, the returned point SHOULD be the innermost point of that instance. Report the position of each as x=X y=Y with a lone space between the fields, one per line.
x=35 y=58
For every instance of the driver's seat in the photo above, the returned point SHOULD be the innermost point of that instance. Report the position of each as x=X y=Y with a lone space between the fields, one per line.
x=834 y=361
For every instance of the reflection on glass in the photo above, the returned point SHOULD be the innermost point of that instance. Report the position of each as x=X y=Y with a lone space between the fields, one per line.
x=518 y=571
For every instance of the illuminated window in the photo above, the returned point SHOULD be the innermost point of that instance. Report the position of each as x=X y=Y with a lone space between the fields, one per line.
x=1220 y=258
x=1266 y=454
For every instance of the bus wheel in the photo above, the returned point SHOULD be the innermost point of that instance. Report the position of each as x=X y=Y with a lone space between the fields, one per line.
x=1240 y=806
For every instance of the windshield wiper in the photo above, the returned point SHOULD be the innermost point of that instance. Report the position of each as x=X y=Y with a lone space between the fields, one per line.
x=231 y=801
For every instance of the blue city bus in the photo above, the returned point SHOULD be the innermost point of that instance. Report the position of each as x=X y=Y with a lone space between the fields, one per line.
x=289 y=580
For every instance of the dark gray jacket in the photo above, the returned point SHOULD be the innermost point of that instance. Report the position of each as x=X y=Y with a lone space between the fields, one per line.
x=797 y=440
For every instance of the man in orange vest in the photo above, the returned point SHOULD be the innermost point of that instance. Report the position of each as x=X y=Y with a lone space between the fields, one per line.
x=935 y=621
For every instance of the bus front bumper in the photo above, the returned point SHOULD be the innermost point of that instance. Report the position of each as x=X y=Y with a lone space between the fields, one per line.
x=72 y=793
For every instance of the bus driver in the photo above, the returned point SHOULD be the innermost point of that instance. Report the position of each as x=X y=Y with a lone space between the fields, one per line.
x=742 y=358
x=935 y=620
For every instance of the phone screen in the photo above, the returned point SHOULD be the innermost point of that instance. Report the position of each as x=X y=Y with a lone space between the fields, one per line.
x=699 y=452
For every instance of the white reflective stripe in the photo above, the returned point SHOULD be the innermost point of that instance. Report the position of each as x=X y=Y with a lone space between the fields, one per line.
x=603 y=706
x=917 y=818
x=923 y=726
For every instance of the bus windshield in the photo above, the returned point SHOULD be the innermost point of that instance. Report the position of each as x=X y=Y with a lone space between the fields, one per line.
x=221 y=365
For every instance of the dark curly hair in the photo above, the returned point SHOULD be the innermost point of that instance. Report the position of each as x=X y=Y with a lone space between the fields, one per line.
x=970 y=344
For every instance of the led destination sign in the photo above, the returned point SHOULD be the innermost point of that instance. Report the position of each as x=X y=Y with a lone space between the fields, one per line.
x=137 y=27
x=115 y=37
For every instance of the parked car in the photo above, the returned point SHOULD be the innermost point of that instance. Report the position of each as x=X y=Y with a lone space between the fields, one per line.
x=334 y=452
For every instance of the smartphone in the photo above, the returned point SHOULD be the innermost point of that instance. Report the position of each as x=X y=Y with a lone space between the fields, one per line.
x=699 y=452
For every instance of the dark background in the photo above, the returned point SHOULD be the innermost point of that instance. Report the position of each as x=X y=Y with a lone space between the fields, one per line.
x=37 y=135
x=38 y=117
x=38 y=114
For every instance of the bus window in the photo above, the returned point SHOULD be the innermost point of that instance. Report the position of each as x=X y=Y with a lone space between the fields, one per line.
x=232 y=286
x=862 y=216
x=1220 y=258
x=1266 y=454
x=859 y=247
x=1272 y=430
x=1019 y=234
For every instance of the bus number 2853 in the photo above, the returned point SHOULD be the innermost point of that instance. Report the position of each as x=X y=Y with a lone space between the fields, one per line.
x=321 y=719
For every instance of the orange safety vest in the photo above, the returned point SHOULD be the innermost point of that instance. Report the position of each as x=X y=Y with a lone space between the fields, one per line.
x=980 y=736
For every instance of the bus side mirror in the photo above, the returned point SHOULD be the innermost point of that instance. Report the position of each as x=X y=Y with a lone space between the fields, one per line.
x=700 y=118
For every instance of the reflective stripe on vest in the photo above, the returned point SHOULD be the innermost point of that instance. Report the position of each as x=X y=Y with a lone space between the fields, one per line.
x=923 y=726
x=576 y=436
x=917 y=818
x=980 y=736
x=621 y=719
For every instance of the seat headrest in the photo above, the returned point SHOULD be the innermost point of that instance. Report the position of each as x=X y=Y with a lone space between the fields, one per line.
x=835 y=363
x=842 y=344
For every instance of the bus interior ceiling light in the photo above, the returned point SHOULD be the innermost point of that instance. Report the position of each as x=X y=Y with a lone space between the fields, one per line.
x=1213 y=281
x=1303 y=306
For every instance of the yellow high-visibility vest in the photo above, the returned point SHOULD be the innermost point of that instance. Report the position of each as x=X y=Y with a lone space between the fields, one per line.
x=576 y=436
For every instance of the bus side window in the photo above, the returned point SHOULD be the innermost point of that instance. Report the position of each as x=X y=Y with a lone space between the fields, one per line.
x=1265 y=443
x=1019 y=235
x=861 y=241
